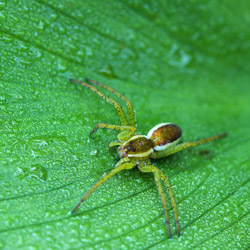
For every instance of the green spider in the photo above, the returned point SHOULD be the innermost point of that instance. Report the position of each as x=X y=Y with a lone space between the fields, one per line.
x=136 y=150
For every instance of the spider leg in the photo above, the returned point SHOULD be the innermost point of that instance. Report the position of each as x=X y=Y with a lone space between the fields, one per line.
x=172 y=199
x=159 y=175
x=114 y=127
x=182 y=146
x=121 y=165
x=131 y=114
x=118 y=107
x=114 y=143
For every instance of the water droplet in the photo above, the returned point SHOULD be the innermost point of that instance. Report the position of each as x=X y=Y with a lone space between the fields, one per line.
x=62 y=30
x=107 y=71
x=2 y=4
x=34 y=171
x=94 y=152
x=40 y=26
x=7 y=39
x=62 y=66
x=25 y=61
x=34 y=53
x=2 y=17
x=23 y=47
x=178 y=57
x=51 y=18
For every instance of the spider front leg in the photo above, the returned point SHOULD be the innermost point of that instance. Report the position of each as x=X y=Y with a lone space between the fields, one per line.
x=127 y=127
x=126 y=132
x=158 y=176
x=123 y=164
x=132 y=129
x=118 y=107
x=131 y=114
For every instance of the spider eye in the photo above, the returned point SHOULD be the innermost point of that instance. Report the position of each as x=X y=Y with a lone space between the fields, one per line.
x=164 y=135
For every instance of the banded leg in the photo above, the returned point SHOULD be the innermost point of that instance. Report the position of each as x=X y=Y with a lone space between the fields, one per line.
x=131 y=114
x=118 y=107
x=121 y=165
x=173 y=202
x=114 y=127
x=159 y=175
x=182 y=146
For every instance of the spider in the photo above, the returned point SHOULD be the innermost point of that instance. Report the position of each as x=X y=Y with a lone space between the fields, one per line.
x=136 y=150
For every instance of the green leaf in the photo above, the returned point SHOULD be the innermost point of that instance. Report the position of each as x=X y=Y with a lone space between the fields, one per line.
x=185 y=62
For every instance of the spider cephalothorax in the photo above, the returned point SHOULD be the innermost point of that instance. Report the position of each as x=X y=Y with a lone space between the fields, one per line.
x=136 y=150
x=161 y=137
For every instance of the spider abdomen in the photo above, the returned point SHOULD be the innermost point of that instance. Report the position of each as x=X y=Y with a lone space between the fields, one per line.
x=164 y=135
x=138 y=146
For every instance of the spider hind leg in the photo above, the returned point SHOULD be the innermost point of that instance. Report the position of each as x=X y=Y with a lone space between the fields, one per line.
x=184 y=145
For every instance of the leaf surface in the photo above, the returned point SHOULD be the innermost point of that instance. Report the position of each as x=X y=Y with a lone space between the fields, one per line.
x=182 y=62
